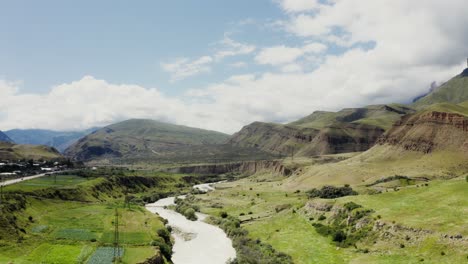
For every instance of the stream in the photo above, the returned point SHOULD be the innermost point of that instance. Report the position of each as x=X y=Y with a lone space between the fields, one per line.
x=196 y=242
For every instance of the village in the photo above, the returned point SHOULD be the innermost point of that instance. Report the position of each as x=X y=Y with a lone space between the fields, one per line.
x=21 y=168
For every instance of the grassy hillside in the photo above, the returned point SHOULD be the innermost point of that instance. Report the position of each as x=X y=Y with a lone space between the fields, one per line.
x=57 y=139
x=382 y=116
x=349 y=130
x=454 y=91
x=143 y=139
x=9 y=151
x=461 y=108
x=283 y=217
x=70 y=218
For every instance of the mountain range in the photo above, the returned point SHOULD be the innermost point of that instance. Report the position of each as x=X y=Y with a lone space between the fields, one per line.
x=4 y=137
x=137 y=140
x=57 y=139
x=348 y=130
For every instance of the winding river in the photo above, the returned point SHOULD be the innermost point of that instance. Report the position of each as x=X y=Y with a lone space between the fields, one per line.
x=196 y=242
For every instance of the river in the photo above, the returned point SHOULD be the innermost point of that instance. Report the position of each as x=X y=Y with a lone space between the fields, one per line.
x=196 y=242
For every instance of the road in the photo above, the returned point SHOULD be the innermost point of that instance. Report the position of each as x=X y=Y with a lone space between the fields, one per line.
x=10 y=182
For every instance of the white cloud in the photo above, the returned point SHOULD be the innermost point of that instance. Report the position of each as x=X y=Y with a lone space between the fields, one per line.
x=293 y=67
x=280 y=55
x=292 y=6
x=239 y=64
x=182 y=68
x=232 y=48
x=415 y=43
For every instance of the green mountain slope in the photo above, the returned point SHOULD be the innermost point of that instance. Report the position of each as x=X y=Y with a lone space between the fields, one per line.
x=139 y=140
x=382 y=116
x=57 y=139
x=10 y=151
x=349 y=130
x=453 y=91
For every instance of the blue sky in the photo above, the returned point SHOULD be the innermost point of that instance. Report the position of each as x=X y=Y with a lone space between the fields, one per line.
x=219 y=65
x=52 y=42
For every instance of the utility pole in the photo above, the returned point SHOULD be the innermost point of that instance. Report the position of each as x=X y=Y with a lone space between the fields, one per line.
x=116 y=238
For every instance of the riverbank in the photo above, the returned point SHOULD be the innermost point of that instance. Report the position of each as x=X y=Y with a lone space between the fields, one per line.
x=196 y=242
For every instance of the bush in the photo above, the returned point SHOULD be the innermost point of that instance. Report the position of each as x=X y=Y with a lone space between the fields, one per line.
x=351 y=206
x=322 y=217
x=331 y=192
x=247 y=249
x=190 y=214
x=339 y=236
x=223 y=214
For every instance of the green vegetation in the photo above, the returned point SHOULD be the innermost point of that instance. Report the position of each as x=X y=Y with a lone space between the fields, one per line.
x=146 y=141
x=247 y=249
x=55 y=181
x=453 y=91
x=186 y=207
x=382 y=116
x=72 y=221
x=10 y=151
x=331 y=192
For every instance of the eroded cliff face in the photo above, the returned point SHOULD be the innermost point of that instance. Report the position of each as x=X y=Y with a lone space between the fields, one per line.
x=284 y=139
x=343 y=138
x=273 y=138
x=429 y=131
x=247 y=168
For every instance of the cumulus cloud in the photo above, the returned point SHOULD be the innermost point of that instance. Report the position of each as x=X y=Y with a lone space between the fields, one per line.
x=392 y=50
x=280 y=55
x=293 y=6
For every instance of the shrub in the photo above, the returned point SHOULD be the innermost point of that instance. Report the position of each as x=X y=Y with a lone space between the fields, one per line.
x=339 y=236
x=322 y=217
x=190 y=214
x=223 y=214
x=351 y=206
x=331 y=192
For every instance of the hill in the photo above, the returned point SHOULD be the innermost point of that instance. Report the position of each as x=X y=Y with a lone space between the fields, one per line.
x=139 y=140
x=57 y=139
x=431 y=130
x=382 y=116
x=349 y=130
x=10 y=151
x=454 y=91
x=4 y=137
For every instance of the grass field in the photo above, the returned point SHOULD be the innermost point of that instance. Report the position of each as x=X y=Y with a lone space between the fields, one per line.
x=275 y=215
x=70 y=232
x=59 y=231
x=55 y=181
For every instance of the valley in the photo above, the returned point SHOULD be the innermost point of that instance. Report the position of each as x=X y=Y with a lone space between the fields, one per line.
x=377 y=184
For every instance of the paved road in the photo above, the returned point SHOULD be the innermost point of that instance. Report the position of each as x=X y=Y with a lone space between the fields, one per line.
x=10 y=182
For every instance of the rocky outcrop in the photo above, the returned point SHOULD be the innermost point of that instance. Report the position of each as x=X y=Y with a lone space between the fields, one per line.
x=429 y=131
x=285 y=139
x=273 y=138
x=247 y=168
x=342 y=138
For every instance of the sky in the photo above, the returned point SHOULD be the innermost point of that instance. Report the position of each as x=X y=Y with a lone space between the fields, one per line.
x=219 y=65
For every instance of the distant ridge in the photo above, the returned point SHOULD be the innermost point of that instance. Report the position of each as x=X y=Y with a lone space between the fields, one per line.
x=4 y=137
x=57 y=139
